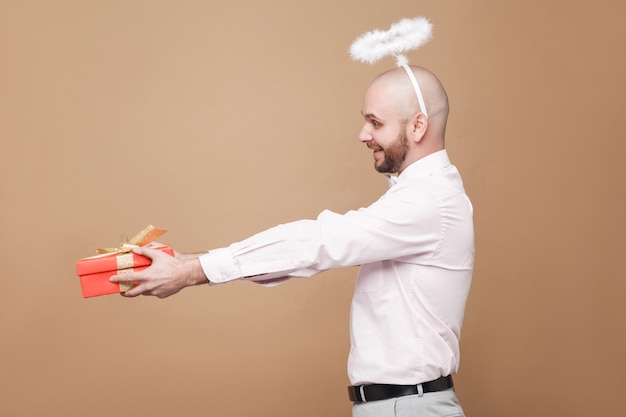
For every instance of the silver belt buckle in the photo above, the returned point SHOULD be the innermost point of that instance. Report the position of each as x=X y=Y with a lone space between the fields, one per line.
x=362 y=390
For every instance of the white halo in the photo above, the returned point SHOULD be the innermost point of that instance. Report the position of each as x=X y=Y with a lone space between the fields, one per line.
x=402 y=36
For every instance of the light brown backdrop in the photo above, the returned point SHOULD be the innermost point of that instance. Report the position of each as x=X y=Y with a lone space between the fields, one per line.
x=219 y=119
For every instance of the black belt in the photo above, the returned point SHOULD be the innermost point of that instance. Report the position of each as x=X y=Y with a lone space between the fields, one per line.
x=376 y=392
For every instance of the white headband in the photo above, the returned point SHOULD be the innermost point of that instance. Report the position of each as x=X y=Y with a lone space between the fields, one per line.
x=402 y=36
x=416 y=87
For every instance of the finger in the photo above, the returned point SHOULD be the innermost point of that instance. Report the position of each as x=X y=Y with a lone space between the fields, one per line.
x=128 y=277
x=133 y=292
x=148 y=252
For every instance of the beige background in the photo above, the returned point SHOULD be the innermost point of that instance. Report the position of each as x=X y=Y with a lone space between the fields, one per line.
x=218 y=119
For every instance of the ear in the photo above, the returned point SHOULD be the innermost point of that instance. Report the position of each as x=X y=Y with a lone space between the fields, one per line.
x=417 y=127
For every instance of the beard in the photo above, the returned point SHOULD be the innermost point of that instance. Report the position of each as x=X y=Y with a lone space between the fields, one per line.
x=395 y=154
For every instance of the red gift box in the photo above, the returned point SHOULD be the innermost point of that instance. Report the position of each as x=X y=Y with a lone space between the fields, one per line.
x=94 y=272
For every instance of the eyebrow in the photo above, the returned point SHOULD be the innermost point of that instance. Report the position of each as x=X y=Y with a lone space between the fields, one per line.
x=370 y=116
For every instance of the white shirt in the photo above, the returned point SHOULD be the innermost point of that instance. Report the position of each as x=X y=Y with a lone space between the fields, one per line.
x=415 y=246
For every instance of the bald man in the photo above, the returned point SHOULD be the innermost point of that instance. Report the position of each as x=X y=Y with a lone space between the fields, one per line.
x=414 y=246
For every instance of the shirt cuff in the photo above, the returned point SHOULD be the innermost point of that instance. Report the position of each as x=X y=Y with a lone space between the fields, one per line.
x=219 y=267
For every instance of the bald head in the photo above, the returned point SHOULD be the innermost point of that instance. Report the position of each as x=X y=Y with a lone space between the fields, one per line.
x=395 y=85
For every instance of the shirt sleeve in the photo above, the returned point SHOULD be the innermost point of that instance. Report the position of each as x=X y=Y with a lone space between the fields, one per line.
x=405 y=222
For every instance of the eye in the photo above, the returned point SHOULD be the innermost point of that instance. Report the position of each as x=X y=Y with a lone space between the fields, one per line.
x=376 y=124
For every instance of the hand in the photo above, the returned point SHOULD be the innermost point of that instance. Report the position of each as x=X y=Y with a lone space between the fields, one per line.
x=166 y=276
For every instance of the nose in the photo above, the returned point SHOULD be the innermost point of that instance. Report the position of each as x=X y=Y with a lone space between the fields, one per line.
x=365 y=135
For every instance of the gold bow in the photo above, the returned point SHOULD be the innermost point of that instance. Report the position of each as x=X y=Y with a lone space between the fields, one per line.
x=147 y=235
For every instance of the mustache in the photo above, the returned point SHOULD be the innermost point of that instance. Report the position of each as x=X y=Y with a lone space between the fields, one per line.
x=374 y=146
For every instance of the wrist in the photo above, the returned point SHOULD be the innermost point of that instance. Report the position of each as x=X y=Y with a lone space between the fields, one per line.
x=194 y=274
x=188 y=256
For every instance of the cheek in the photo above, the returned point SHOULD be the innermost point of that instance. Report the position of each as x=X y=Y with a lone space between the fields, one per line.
x=384 y=139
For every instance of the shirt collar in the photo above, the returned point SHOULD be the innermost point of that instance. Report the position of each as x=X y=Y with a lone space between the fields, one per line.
x=422 y=167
